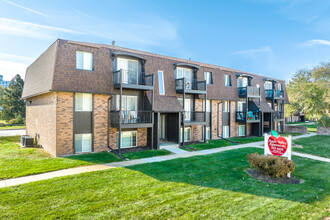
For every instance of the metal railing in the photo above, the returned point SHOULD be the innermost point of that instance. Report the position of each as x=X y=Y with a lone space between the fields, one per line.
x=279 y=115
x=132 y=77
x=248 y=91
x=251 y=116
x=194 y=116
x=190 y=84
x=272 y=93
x=131 y=117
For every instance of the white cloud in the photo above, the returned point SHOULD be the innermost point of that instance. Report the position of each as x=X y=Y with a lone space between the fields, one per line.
x=311 y=43
x=27 y=29
x=10 y=69
x=254 y=51
x=10 y=57
x=27 y=9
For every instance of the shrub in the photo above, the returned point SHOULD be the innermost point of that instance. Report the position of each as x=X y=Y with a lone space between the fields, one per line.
x=274 y=166
x=324 y=120
x=18 y=120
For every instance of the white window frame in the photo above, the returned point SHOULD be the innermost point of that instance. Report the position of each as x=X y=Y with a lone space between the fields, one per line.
x=268 y=83
x=227 y=108
x=84 y=148
x=88 y=108
x=225 y=128
x=208 y=105
x=126 y=97
x=279 y=86
x=240 y=103
x=125 y=132
x=185 y=136
x=239 y=129
x=161 y=83
x=227 y=79
x=125 y=77
x=208 y=133
x=84 y=59
x=208 y=78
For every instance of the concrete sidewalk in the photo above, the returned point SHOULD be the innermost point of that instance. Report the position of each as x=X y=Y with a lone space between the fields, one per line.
x=12 y=132
x=181 y=154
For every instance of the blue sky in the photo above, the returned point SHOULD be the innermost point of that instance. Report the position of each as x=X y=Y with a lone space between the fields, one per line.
x=269 y=37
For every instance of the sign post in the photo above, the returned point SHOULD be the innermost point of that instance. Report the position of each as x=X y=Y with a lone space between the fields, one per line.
x=277 y=145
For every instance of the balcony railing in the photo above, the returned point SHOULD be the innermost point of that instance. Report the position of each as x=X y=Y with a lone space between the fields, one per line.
x=190 y=85
x=193 y=116
x=131 y=117
x=251 y=116
x=248 y=91
x=132 y=78
x=279 y=115
x=274 y=94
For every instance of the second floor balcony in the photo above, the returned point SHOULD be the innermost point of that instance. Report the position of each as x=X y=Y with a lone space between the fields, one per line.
x=133 y=80
x=250 y=117
x=194 y=117
x=248 y=91
x=190 y=86
x=274 y=94
x=131 y=119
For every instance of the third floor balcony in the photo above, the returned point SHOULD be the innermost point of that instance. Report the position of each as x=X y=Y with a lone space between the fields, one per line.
x=133 y=80
x=191 y=86
x=274 y=94
x=248 y=91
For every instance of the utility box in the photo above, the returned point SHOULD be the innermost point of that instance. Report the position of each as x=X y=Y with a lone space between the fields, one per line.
x=23 y=139
x=28 y=141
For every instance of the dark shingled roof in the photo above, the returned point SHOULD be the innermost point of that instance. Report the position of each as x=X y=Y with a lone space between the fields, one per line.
x=167 y=104
x=264 y=107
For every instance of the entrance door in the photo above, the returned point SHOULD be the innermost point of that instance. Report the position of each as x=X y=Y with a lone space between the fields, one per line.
x=267 y=122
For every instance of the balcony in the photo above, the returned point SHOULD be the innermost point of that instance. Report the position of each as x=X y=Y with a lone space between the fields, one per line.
x=131 y=119
x=191 y=86
x=133 y=80
x=252 y=117
x=194 y=118
x=248 y=91
x=274 y=94
x=279 y=115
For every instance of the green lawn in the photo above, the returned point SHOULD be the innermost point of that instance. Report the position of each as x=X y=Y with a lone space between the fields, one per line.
x=223 y=143
x=317 y=145
x=10 y=127
x=145 y=154
x=311 y=128
x=16 y=161
x=213 y=186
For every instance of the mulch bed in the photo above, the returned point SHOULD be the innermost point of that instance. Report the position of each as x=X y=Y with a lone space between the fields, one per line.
x=254 y=173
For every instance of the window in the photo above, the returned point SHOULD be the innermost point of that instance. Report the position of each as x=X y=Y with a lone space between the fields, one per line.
x=187 y=134
x=186 y=73
x=208 y=105
x=83 y=143
x=225 y=131
x=225 y=106
x=227 y=80
x=83 y=102
x=187 y=107
x=129 y=70
x=241 y=130
x=268 y=85
x=242 y=82
x=257 y=85
x=280 y=86
x=128 y=139
x=240 y=106
x=84 y=61
x=129 y=103
x=208 y=133
x=208 y=77
x=161 y=83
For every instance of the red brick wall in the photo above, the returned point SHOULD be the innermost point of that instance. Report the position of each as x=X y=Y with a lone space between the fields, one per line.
x=215 y=118
x=41 y=119
x=100 y=122
x=64 y=124
x=233 y=124
x=196 y=133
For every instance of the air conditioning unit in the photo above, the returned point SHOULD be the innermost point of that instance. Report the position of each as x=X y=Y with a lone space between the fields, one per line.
x=23 y=139
x=28 y=141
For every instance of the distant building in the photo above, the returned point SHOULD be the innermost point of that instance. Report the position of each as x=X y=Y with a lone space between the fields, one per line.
x=3 y=83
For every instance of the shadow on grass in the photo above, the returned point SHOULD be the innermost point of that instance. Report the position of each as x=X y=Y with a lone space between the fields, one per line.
x=226 y=170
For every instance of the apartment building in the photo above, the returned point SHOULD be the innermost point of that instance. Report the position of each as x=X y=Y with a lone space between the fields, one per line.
x=86 y=97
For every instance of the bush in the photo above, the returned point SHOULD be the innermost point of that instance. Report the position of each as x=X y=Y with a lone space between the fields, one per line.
x=274 y=166
x=324 y=120
x=18 y=120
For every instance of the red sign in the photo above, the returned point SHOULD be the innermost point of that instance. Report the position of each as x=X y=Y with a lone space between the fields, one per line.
x=277 y=146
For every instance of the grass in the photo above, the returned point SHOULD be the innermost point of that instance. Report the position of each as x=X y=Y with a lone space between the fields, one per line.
x=204 y=187
x=145 y=154
x=10 y=127
x=317 y=145
x=298 y=122
x=223 y=143
x=312 y=127
x=16 y=161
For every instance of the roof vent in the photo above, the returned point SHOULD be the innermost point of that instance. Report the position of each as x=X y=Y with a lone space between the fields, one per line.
x=113 y=43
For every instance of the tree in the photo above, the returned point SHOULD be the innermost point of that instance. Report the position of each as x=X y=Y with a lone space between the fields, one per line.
x=12 y=104
x=309 y=92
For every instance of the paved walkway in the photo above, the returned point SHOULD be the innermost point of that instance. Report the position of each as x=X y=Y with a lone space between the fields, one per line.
x=12 y=132
x=180 y=154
